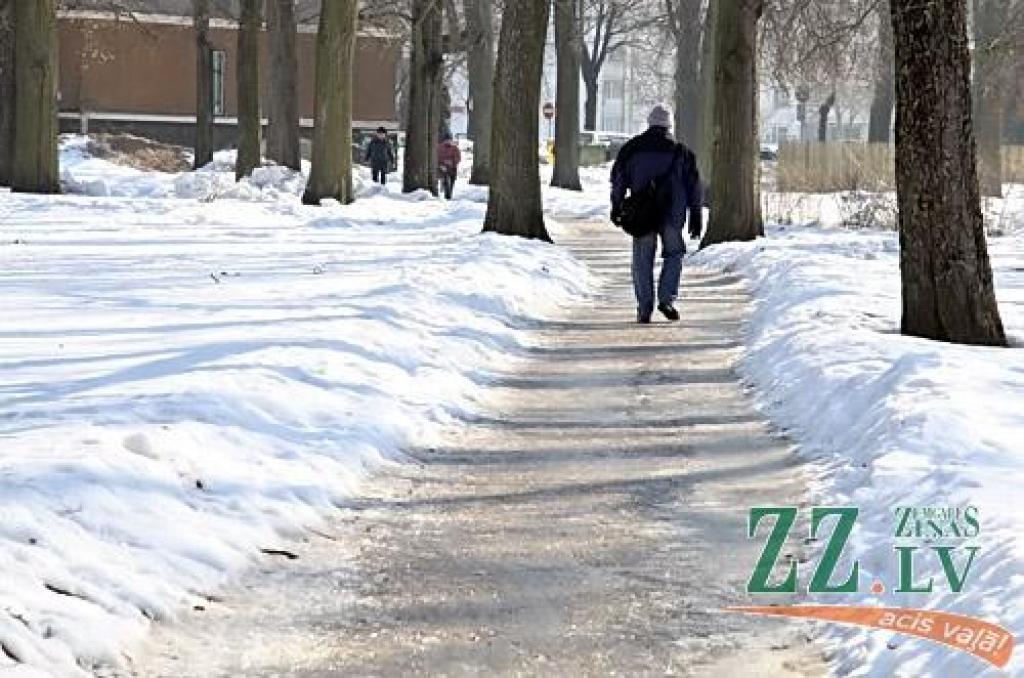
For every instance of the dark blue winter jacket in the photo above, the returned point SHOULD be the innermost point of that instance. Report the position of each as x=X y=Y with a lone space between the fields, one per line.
x=647 y=157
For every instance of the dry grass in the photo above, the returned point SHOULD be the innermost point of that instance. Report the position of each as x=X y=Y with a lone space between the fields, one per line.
x=1013 y=164
x=835 y=167
x=139 y=152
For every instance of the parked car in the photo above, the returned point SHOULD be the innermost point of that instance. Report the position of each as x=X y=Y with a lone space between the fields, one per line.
x=612 y=142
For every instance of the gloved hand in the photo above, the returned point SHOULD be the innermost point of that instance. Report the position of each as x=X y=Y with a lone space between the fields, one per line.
x=617 y=215
x=696 y=222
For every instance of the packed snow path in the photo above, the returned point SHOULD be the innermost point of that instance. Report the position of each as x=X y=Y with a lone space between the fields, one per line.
x=592 y=524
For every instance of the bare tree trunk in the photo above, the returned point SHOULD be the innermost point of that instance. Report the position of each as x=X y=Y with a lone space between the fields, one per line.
x=426 y=61
x=480 y=57
x=435 y=47
x=515 y=206
x=34 y=164
x=445 y=109
x=591 y=64
x=590 y=83
x=705 y=149
x=6 y=88
x=1013 y=122
x=331 y=172
x=948 y=293
x=443 y=112
x=884 y=97
x=991 y=68
x=1015 y=99
x=735 y=165
x=566 y=173
x=283 y=145
x=687 y=72
x=417 y=145
x=249 y=126
x=204 y=84
x=823 y=112
x=402 y=88
x=755 y=127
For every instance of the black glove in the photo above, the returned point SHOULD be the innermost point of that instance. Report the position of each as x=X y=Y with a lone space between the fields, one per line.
x=696 y=222
x=617 y=215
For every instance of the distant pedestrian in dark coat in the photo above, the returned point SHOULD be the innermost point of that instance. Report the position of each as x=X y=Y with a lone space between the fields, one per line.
x=380 y=155
x=655 y=156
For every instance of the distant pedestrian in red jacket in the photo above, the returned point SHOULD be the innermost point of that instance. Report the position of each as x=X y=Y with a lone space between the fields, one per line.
x=448 y=159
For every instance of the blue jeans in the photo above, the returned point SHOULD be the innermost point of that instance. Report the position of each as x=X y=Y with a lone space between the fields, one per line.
x=673 y=247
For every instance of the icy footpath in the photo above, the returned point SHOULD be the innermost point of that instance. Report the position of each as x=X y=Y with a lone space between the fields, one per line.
x=186 y=382
x=892 y=421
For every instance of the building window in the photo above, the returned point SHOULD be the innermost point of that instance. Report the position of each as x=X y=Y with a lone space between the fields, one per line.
x=780 y=98
x=220 y=59
x=614 y=90
x=613 y=123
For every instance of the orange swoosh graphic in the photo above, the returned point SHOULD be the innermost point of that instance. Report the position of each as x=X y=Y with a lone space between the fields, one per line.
x=987 y=641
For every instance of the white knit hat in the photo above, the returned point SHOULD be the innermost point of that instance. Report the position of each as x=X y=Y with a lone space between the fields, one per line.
x=660 y=116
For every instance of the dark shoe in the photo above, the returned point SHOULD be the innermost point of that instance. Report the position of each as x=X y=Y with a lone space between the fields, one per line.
x=669 y=311
x=643 y=318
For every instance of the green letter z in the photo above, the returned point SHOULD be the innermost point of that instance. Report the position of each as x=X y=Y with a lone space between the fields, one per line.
x=770 y=555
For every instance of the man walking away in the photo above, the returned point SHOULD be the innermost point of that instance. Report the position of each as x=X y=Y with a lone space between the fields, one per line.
x=380 y=156
x=655 y=158
x=448 y=158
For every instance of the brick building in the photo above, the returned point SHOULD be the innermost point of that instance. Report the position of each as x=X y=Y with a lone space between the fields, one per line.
x=137 y=72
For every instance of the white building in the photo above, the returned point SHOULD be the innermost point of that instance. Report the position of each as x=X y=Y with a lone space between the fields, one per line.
x=780 y=119
x=614 y=95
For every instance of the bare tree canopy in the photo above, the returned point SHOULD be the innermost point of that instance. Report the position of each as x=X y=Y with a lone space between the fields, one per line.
x=608 y=26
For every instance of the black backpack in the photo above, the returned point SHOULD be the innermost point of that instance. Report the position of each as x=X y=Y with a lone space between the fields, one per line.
x=643 y=211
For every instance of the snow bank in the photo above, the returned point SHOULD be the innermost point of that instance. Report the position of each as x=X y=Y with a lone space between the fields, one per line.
x=593 y=202
x=84 y=174
x=189 y=381
x=891 y=420
x=590 y=203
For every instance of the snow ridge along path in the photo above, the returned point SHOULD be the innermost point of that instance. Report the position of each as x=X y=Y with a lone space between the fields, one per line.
x=592 y=523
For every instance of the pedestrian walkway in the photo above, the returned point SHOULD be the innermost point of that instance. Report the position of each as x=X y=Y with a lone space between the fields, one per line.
x=591 y=523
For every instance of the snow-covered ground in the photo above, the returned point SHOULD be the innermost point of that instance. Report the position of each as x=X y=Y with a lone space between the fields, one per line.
x=195 y=370
x=891 y=420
